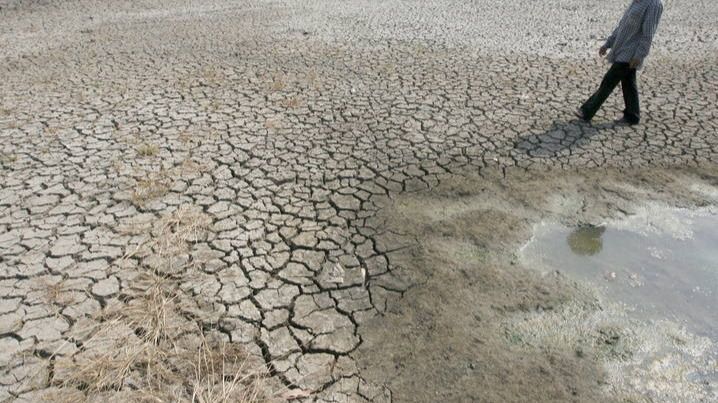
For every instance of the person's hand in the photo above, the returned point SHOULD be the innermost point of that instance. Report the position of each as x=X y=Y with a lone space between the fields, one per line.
x=602 y=51
x=633 y=63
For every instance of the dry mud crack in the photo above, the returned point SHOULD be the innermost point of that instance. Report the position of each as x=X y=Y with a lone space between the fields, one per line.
x=184 y=184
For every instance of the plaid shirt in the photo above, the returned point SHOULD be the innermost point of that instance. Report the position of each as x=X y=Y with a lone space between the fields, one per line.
x=633 y=36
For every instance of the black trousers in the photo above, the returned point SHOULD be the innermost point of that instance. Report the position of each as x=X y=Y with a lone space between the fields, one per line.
x=618 y=73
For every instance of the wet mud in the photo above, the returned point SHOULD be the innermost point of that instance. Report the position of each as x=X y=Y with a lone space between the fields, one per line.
x=477 y=323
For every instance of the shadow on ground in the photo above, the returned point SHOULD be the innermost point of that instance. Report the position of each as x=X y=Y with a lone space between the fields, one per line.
x=559 y=137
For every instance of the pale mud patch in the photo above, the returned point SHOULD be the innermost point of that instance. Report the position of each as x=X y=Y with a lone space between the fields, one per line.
x=657 y=273
x=476 y=324
x=656 y=361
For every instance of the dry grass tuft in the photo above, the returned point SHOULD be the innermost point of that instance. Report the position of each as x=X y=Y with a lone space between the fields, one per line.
x=185 y=137
x=147 y=150
x=127 y=338
x=150 y=188
x=272 y=123
x=169 y=236
x=190 y=166
x=7 y=158
x=58 y=294
x=173 y=232
x=52 y=131
x=212 y=75
x=222 y=373
x=151 y=345
x=292 y=102
x=278 y=83
x=151 y=351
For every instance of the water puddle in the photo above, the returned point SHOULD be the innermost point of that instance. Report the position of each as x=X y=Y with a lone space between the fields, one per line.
x=662 y=264
x=661 y=267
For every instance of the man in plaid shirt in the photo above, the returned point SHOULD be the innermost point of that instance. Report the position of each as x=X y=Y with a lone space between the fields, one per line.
x=629 y=44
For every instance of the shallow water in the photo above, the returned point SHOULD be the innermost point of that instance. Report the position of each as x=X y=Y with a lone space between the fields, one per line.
x=662 y=263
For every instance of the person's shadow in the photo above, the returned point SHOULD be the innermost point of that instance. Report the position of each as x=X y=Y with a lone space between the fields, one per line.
x=559 y=137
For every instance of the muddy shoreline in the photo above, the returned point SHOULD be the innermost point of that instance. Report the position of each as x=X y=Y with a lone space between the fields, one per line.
x=447 y=338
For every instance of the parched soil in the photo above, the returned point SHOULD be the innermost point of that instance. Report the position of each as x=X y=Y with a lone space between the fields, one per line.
x=273 y=200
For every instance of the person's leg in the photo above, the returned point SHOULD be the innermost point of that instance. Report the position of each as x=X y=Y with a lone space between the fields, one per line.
x=609 y=82
x=632 y=113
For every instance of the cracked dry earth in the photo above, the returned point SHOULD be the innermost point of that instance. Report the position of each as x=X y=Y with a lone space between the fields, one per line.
x=231 y=159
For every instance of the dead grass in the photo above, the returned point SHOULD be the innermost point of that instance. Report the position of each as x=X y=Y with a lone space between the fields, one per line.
x=186 y=224
x=190 y=166
x=292 y=102
x=213 y=364
x=170 y=235
x=150 y=188
x=58 y=294
x=153 y=350
x=150 y=185
x=15 y=124
x=7 y=158
x=278 y=83
x=148 y=150
x=51 y=131
x=152 y=347
x=185 y=137
x=212 y=75
x=272 y=123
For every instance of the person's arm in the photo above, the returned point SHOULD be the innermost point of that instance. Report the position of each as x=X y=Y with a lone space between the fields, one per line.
x=612 y=38
x=648 y=30
x=608 y=44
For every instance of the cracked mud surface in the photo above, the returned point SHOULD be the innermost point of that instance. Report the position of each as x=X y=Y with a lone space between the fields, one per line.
x=284 y=129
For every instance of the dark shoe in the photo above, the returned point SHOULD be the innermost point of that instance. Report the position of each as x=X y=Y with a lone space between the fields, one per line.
x=581 y=115
x=625 y=122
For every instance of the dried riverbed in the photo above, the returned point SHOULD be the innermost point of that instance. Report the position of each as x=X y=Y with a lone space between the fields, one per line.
x=274 y=190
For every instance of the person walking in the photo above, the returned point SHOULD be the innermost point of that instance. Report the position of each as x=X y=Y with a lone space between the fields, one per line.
x=629 y=45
